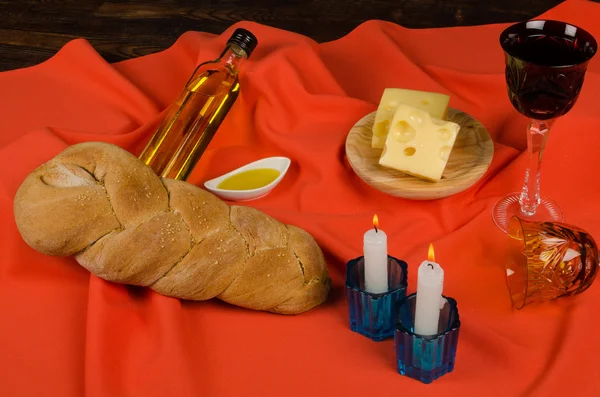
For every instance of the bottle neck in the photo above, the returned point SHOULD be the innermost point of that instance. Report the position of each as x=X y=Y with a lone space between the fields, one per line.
x=232 y=55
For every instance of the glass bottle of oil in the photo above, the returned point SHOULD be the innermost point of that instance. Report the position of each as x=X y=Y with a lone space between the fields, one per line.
x=193 y=119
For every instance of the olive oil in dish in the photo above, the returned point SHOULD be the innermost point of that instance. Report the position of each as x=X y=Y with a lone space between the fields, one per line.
x=250 y=179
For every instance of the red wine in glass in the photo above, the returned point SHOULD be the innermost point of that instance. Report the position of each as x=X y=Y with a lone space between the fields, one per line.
x=546 y=63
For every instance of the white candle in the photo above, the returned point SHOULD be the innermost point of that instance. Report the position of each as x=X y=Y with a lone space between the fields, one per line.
x=430 y=284
x=375 y=253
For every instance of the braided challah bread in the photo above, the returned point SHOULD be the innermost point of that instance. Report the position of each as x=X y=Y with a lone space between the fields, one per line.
x=123 y=223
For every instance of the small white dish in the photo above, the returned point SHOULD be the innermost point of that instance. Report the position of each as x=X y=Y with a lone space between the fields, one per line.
x=280 y=164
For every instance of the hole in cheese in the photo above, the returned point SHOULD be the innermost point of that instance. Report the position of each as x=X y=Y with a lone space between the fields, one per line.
x=445 y=152
x=381 y=128
x=444 y=134
x=403 y=132
x=416 y=117
x=409 y=151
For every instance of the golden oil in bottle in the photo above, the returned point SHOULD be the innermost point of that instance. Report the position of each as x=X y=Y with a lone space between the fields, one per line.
x=193 y=119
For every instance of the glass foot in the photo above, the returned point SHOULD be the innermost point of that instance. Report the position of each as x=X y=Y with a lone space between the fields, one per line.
x=508 y=206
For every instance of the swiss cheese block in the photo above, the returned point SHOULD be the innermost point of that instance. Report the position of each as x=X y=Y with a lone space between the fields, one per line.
x=418 y=144
x=433 y=103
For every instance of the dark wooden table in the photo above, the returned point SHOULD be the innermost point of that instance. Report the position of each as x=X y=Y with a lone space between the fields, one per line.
x=33 y=30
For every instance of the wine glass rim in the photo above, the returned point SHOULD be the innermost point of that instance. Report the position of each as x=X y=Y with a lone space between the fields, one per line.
x=516 y=224
x=588 y=37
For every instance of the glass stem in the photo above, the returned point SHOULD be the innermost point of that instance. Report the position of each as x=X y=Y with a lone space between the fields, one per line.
x=537 y=135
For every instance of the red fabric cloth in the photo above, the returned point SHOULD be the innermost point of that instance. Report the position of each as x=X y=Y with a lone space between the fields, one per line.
x=66 y=333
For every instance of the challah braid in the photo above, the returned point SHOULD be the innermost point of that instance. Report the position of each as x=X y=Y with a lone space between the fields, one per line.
x=124 y=224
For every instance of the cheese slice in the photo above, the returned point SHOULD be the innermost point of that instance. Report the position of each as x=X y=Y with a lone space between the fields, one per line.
x=418 y=144
x=433 y=103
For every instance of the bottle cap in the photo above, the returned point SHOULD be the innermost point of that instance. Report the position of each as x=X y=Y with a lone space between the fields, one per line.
x=244 y=39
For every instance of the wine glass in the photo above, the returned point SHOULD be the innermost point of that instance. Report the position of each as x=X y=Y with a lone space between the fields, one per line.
x=547 y=260
x=546 y=63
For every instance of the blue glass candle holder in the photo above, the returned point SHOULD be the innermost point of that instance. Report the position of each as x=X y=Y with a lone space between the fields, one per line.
x=426 y=358
x=374 y=315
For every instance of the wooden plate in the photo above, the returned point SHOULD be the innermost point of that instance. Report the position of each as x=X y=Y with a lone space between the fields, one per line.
x=469 y=160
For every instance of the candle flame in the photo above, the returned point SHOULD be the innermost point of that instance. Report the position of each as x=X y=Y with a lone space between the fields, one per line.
x=431 y=253
x=375 y=222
